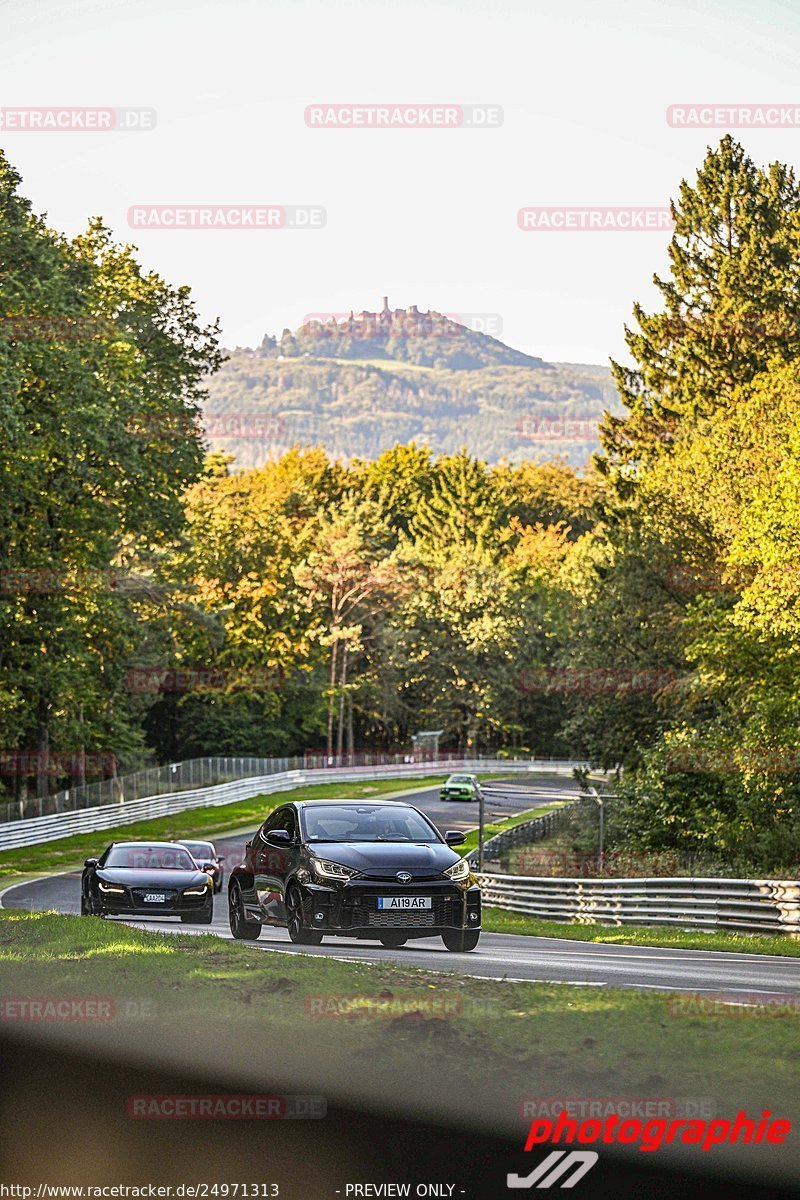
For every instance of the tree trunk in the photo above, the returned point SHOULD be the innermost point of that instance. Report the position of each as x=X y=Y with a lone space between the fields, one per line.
x=343 y=684
x=43 y=748
x=334 y=645
x=80 y=776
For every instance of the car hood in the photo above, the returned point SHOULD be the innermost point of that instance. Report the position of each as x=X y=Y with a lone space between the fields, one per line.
x=385 y=859
x=135 y=877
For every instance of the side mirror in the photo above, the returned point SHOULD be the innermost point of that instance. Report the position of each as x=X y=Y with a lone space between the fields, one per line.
x=279 y=837
x=90 y=862
x=221 y=857
x=454 y=837
x=248 y=845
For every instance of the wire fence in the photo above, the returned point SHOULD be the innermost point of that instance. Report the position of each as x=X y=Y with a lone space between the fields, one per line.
x=53 y=826
x=523 y=834
x=195 y=773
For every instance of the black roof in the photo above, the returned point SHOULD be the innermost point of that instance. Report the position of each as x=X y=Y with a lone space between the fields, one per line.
x=348 y=800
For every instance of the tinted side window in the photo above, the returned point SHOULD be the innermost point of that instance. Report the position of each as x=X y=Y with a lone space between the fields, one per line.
x=288 y=822
x=272 y=822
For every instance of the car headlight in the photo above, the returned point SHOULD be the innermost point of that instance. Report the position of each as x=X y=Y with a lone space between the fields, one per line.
x=459 y=871
x=110 y=887
x=198 y=891
x=323 y=869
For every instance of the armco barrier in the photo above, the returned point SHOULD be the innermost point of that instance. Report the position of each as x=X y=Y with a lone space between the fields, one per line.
x=749 y=905
x=32 y=831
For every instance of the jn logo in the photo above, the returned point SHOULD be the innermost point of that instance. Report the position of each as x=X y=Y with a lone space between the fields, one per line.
x=543 y=1176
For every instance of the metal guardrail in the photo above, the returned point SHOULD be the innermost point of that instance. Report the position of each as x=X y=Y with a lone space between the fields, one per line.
x=748 y=905
x=36 y=830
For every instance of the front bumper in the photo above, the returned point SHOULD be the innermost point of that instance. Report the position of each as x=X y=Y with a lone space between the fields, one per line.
x=352 y=909
x=456 y=794
x=133 y=904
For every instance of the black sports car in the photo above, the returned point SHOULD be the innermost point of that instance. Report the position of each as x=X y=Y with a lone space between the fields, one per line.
x=352 y=869
x=206 y=857
x=146 y=879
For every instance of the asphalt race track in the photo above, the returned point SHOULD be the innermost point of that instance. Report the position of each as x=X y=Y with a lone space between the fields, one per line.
x=498 y=956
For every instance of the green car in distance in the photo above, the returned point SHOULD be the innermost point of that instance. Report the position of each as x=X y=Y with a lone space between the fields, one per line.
x=460 y=787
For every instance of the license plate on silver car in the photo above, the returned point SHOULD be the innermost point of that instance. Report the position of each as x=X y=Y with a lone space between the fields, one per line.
x=154 y=897
x=403 y=902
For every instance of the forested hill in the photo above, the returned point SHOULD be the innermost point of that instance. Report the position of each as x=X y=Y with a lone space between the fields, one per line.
x=359 y=384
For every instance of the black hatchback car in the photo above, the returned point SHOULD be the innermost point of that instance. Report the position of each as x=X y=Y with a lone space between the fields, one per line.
x=352 y=869
x=147 y=879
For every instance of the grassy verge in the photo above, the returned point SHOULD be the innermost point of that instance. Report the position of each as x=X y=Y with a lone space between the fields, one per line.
x=508 y=1039
x=63 y=853
x=498 y=920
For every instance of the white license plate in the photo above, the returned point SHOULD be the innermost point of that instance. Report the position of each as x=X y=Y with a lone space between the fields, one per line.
x=154 y=897
x=404 y=902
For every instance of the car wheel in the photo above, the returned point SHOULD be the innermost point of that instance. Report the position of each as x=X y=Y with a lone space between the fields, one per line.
x=393 y=941
x=242 y=929
x=461 y=940
x=85 y=909
x=299 y=932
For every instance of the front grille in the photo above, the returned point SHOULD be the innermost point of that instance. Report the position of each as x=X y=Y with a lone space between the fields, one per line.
x=403 y=920
x=365 y=912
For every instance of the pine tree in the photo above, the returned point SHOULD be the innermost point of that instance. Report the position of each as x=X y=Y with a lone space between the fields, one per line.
x=732 y=306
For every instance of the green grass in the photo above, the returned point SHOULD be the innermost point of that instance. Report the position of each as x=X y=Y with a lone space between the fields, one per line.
x=195 y=822
x=503 y=1041
x=498 y=920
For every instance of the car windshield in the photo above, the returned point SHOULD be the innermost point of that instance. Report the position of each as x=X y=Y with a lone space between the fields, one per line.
x=151 y=858
x=365 y=823
x=459 y=779
x=200 y=849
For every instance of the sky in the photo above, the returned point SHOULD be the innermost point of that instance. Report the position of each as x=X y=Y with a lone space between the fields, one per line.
x=427 y=216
